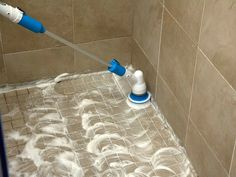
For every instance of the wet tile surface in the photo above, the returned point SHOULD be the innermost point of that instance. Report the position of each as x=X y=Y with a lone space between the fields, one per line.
x=84 y=127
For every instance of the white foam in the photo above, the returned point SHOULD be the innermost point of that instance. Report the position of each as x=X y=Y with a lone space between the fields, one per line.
x=14 y=135
x=50 y=150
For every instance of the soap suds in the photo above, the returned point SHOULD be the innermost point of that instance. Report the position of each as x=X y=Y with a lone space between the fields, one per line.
x=107 y=139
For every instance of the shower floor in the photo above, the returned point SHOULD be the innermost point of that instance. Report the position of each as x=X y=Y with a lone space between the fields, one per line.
x=83 y=127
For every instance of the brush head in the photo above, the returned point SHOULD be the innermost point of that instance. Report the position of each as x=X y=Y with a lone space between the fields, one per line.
x=139 y=101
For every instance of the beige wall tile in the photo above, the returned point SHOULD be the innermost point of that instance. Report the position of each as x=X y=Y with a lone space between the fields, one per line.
x=204 y=161
x=147 y=27
x=171 y=109
x=96 y=20
x=119 y=48
x=218 y=37
x=233 y=168
x=140 y=61
x=188 y=13
x=214 y=110
x=56 y=15
x=32 y=65
x=177 y=60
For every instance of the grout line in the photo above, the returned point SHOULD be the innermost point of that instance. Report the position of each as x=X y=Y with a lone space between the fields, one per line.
x=132 y=49
x=232 y=159
x=142 y=50
x=163 y=80
x=194 y=73
x=35 y=50
x=55 y=47
x=133 y=16
x=191 y=98
x=159 y=50
x=172 y=16
x=73 y=20
x=4 y=69
x=155 y=69
x=73 y=32
x=108 y=39
x=209 y=147
x=205 y=56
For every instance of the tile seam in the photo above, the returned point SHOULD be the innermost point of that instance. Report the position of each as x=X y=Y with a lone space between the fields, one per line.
x=216 y=69
x=180 y=26
x=232 y=158
x=194 y=74
x=163 y=80
x=209 y=147
x=159 y=50
x=4 y=69
x=35 y=50
x=73 y=31
x=142 y=50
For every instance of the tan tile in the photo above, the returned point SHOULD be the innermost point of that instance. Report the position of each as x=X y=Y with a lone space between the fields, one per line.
x=140 y=61
x=3 y=77
x=214 y=110
x=218 y=37
x=7 y=126
x=28 y=66
x=172 y=110
x=233 y=167
x=56 y=16
x=188 y=13
x=4 y=109
x=10 y=94
x=11 y=100
x=22 y=92
x=177 y=61
x=147 y=27
x=95 y=20
x=119 y=48
x=204 y=161
x=18 y=123
x=11 y=152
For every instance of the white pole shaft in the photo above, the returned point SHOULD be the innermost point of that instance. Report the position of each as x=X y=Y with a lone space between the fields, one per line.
x=12 y=13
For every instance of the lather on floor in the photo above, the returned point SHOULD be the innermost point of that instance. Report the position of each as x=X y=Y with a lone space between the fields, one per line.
x=82 y=126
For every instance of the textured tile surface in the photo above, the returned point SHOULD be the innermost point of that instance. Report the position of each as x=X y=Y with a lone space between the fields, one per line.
x=147 y=27
x=33 y=65
x=188 y=13
x=140 y=61
x=84 y=127
x=96 y=20
x=16 y=38
x=202 y=158
x=214 y=110
x=177 y=60
x=171 y=109
x=119 y=48
x=218 y=37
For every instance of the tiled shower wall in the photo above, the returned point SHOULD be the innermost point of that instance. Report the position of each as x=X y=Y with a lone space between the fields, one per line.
x=103 y=27
x=187 y=49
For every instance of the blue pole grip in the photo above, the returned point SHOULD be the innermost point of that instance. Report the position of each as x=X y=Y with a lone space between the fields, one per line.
x=32 y=24
x=116 y=68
